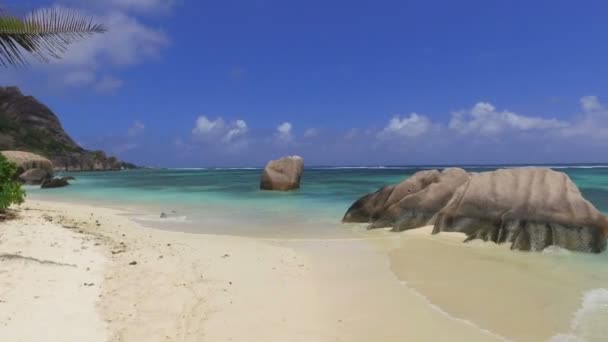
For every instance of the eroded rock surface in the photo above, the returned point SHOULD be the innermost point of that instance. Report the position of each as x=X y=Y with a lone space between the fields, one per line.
x=282 y=174
x=530 y=208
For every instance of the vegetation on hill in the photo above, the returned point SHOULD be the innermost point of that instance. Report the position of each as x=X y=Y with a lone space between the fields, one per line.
x=33 y=139
x=28 y=125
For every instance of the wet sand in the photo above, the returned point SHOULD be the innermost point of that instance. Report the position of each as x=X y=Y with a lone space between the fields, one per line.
x=522 y=296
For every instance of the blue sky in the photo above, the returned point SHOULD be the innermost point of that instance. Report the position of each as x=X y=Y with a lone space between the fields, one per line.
x=235 y=83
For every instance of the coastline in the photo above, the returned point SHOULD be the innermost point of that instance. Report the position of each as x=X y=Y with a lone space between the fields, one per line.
x=198 y=286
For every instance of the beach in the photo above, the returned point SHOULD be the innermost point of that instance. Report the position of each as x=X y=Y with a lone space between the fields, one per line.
x=74 y=272
x=286 y=171
x=109 y=279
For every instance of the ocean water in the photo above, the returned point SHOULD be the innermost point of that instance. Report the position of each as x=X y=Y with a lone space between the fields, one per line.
x=325 y=195
x=228 y=201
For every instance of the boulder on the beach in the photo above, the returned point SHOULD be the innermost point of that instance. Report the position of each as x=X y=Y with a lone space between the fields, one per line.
x=530 y=208
x=55 y=182
x=283 y=174
x=413 y=203
x=26 y=161
x=34 y=176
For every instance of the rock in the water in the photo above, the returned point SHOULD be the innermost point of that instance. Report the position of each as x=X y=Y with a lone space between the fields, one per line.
x=55 y=182
x=412 y=203
x=531 y=208
x=170 y=214
x=282 y=174
x=34 y=176
x=26 y=161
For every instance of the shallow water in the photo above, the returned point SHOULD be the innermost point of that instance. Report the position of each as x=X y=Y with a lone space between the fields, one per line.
x=556 y=295
x=326 y=193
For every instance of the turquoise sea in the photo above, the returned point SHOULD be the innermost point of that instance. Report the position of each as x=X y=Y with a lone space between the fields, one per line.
x=192 y=196
x=228 y=201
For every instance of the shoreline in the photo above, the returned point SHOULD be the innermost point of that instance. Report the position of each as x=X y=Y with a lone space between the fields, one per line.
x=186 y=286
x=128 y=282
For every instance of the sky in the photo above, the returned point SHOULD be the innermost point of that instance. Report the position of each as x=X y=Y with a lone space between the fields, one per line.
x=185 y=83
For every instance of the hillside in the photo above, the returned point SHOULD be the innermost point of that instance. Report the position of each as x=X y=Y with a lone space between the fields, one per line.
x=28 y=125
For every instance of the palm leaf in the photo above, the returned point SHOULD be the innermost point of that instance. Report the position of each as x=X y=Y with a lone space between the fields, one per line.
x=44 y=33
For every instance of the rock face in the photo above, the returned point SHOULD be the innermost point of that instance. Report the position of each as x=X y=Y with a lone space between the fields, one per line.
x=26 y=161
x=283 y=174
x=530 y=208
x=92 y=161
x=34 y=176
x=412 y=203
x=55 y=182
x=28 y=125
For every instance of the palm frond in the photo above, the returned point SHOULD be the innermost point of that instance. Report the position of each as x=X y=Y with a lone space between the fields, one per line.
x=44 y=33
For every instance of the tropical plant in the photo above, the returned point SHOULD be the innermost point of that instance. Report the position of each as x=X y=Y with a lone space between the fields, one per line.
x=45 y=34
x=10 y=190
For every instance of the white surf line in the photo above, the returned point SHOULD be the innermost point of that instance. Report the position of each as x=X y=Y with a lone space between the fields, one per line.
x=397 y=236
x=324 y=239
x=438 y=309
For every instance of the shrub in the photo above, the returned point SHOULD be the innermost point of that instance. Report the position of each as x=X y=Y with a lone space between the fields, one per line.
x=10 y=189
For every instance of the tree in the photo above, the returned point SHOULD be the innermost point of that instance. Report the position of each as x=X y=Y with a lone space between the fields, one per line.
x=44 y=34
x=10 y=189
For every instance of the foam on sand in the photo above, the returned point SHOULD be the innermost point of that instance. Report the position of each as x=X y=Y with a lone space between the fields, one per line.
x=589 y=321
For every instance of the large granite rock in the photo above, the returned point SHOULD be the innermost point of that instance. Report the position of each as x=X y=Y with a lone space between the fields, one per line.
x=412 y=203
x=530 y=208
x=34 y=176
x=28 y=125
x=26 y=161
x=283 y=174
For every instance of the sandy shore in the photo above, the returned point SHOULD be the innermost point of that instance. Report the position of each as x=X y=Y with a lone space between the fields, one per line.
x=73 y=273
x=80 y=273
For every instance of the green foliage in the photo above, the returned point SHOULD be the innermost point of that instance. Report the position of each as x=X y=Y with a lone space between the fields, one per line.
x=36 y=140
x=41 y=141
x=10 y=190
x=44 y=33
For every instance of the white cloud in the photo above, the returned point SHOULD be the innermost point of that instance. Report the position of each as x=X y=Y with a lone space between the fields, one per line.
x=591 y=123
x=108 y=84
x=351 y=134
x=311 y=133
x=590 y=103
x=128 y=5
x=127 y=42
x=205 y=127
x=78 y=78
x=284 y=128
x=136 y=129
x=206 y=130
x=87 y=63
x=411 y=126
x=283 y=133
x=484 y=119
x=238 y=129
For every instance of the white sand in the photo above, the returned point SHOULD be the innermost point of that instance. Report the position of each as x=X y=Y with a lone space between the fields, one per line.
x=43 y=272
x=192 y=287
